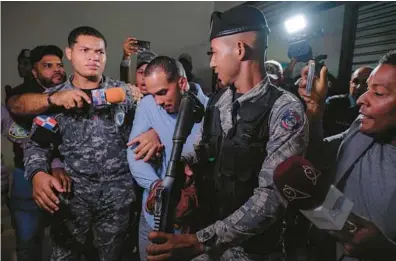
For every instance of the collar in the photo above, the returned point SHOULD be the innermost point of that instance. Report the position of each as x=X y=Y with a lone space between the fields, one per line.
x=103 y=80
x=255 y=93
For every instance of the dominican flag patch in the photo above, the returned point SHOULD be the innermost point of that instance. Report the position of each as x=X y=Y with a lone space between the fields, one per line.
x=46 y=122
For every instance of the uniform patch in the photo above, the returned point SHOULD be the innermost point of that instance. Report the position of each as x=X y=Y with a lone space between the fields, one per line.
x=119 y=118
x=46 y=122
x=291 y=120
x=18 y=132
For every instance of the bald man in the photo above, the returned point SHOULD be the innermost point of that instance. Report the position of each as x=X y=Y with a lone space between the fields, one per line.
x=342 y=110
x=250 y=127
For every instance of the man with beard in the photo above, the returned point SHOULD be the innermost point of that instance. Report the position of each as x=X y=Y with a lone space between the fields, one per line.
x=166 y=82
x=47 y=69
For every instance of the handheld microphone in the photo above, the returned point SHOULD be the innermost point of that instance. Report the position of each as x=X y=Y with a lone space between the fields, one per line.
x=102 y=97
x=310 y=191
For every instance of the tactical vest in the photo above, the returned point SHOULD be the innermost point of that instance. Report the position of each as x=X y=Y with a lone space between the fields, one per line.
x=234 y=160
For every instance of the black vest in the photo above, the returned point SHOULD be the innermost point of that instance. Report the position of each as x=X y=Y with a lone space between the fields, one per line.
x=234 y=160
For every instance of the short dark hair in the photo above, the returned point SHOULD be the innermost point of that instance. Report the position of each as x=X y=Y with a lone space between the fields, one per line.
x=84 y=30
x=389 y=58
x=172 y=68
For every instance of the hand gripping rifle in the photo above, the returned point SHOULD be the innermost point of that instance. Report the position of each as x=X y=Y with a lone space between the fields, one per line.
x=191 y=112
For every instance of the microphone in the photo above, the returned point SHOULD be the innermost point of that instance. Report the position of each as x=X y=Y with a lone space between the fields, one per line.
x=310 y=191
x=108 y=96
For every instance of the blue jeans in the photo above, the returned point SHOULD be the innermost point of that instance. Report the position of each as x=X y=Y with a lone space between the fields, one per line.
x=27 y=218
x=144 y=230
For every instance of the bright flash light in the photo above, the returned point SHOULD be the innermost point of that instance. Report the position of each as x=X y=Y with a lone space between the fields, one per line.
x=295 y=24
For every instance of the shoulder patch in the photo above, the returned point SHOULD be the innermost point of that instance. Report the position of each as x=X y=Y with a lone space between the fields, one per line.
x=291 y=120
x=119 y=118
x=46 y=122
x=18 y=132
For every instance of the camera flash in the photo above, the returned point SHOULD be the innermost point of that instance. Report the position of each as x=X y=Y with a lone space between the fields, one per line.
x=295 y=24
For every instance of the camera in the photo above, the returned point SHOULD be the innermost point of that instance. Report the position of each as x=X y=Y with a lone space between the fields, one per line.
x=299 y=32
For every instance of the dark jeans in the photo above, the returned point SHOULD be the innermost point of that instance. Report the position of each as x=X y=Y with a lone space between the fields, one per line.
x=27 y=218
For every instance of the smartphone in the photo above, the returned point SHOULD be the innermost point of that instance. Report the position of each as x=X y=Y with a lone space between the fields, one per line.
x=143 y=46
x=310 y=78
x=314 y=67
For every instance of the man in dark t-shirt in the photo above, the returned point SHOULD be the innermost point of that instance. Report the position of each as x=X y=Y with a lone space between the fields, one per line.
x=41 y=68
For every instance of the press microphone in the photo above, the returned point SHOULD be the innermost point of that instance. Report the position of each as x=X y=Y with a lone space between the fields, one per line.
x=102 y=97
x=309 y=191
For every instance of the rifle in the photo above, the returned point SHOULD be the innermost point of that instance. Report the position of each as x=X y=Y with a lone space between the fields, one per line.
x=191 y=112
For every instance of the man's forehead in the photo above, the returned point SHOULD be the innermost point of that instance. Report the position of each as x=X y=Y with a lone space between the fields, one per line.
x=384 y=74
x=90 y=41
x=156 y=78
x=142 y=67
x=363 y=72
x=220 y=41
x=50 y=59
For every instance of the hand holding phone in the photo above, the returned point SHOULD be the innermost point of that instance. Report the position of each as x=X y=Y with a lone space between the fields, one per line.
x=129 y=48
x=142 y=46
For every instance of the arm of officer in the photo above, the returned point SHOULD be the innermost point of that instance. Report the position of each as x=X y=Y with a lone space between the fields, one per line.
x=37 y=168
x=143 y=172
x=288 y=136
x=58 y=170
x=19 y=102
x=34 y=103
x=29 y=103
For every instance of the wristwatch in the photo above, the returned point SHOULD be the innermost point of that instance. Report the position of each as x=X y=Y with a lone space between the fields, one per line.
x=50 y=103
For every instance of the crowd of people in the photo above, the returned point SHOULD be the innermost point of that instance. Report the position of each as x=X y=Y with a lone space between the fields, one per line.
x=91 y=169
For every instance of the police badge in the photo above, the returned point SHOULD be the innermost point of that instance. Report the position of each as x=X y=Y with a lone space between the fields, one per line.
x=18 y=132
x=119 y=118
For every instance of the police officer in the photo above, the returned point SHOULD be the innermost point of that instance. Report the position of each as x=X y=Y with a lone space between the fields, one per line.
x=92 y=139
x=45 y=65
x=250 y=127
